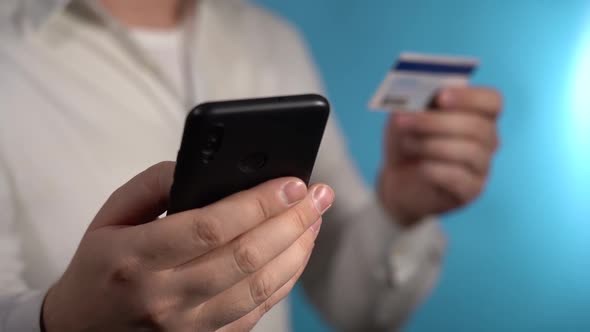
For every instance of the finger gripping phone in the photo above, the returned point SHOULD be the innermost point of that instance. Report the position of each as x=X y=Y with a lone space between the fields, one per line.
x=231 y=146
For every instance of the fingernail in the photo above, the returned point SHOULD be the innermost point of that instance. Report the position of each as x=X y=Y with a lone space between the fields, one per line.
x=446 y=98
x=323 y=197
x=317 y=225
x=404 y=120
x=293 y=192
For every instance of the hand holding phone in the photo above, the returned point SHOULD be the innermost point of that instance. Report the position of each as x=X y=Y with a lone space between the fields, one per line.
x=219 y=268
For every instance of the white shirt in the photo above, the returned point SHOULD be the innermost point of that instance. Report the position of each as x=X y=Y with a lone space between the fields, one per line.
x=83 y=110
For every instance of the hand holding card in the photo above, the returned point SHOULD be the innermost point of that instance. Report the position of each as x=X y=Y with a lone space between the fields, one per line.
x=435 y=162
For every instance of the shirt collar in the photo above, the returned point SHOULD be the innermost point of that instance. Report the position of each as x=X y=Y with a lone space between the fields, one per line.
x=23 y=16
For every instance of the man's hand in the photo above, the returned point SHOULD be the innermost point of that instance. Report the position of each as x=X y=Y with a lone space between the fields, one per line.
x=439 y=160
x=219 y=268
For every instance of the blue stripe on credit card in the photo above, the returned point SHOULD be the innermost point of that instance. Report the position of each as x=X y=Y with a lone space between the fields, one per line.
x=434 y=68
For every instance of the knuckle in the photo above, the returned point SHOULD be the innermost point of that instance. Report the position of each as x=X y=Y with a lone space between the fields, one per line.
x=498 y=99
x=289 y=286
x=305 y=243
x=455 y=175
x=480 y=129
x=474 y=150
x=481 y=165
x=125 y=271
x=276 y=297
x=451 y=178
x=489 y=98
x=470 y=194
x=262 y=211
x=476 y=125
x=206 y=231
x=265 y=307
x=154 y=314
x=247 y=258
x=261 y=288
x=460 y=193
x=115 y=196
x=299 y=218
x=117 y=193
x=467 y=190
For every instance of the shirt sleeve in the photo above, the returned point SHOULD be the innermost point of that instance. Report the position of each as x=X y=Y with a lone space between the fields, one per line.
x=366 y=273
x=20 y=307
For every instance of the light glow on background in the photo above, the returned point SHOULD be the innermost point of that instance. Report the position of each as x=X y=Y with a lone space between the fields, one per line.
x=580 y=105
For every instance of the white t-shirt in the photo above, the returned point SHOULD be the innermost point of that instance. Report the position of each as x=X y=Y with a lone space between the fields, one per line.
x=166 y=49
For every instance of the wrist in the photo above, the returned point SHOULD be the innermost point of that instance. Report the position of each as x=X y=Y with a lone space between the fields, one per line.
x=49 y=318
x=391 y=200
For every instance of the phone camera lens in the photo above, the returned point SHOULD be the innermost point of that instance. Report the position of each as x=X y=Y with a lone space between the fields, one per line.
x=212 y=143
x=212 y=139
x=207 y=153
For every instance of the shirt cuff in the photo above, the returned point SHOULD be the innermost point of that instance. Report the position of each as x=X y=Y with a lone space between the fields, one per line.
x=403 y=251
x=412 y=248
x=25 y=312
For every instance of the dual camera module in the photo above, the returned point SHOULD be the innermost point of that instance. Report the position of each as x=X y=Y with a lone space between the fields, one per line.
x=213 y=140
x=249 y=163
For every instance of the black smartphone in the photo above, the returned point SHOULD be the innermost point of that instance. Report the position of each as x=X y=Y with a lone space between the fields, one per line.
x=230 y=146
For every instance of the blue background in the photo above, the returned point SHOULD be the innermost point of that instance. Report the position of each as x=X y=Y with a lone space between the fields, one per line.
x=519 y=258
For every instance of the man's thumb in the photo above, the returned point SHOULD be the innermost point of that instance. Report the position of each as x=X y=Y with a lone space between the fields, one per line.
x=140 y=200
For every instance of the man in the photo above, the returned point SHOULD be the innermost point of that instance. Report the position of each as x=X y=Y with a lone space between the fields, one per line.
x=95 y=91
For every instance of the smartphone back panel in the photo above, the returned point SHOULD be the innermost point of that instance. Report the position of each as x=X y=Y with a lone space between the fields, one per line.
x=231 y=146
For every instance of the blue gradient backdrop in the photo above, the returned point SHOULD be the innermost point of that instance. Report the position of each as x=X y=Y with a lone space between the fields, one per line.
x=519 y=258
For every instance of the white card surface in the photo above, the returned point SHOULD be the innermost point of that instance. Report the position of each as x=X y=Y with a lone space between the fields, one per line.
x=415 y=79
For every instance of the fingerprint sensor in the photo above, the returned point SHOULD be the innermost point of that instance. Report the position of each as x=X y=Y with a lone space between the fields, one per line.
x=252 y=162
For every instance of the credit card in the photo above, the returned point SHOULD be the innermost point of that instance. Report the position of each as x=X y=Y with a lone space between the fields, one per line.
x=415 y=79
